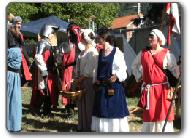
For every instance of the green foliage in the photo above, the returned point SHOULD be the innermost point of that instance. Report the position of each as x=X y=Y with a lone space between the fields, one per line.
x=106 y=13
x=25 y=10
x=80 y=13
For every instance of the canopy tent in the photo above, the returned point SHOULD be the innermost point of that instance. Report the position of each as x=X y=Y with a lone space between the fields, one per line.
x=32 y=28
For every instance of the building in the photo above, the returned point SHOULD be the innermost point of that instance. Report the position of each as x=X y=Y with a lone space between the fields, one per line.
x=125 y=24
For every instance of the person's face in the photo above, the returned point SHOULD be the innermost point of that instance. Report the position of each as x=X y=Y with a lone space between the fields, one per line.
x=100 y=40
x=153 y=41
x=18 y=25
x=52 y=38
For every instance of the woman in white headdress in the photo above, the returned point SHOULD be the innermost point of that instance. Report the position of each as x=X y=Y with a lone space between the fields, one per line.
x=151 y=65
x=88 y=64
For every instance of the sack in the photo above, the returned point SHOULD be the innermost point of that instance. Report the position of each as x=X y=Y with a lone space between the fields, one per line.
x=111 y=92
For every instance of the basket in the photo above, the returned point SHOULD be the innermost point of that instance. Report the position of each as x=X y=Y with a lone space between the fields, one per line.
x=73 y=95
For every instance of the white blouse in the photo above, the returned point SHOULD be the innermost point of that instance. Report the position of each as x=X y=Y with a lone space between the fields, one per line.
x=168 y=63
x=88 y=63
x=119 y=66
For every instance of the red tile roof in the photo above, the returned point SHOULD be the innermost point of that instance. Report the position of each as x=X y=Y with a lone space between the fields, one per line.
x=123 y=21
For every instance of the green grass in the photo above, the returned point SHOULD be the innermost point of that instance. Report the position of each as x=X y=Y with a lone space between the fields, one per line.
x=61 y=122
x=58 y=122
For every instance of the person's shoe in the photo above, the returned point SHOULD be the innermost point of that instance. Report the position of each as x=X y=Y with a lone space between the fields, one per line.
x=54 y=108
x=70 y=111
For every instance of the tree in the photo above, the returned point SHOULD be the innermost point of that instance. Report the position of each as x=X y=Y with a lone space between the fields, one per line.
x=25 y=10
x=80 y=13
x=155 y=13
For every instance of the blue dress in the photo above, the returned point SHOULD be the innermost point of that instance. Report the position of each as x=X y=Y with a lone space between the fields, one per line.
x=14 y=101
x=106 y=106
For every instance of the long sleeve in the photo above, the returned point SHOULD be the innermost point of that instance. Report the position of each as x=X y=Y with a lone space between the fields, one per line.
x=119 y=67
x=137 y=67
x=39 y=59
x=171 y=64
x=89 y=69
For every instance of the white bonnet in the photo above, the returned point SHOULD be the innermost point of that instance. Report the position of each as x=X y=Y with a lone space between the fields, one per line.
x=160 y=35
x=86 y=33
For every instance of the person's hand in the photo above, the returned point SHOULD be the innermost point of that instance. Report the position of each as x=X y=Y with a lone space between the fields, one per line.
x=137 y=111
x=78 y=83
x=170 y=93
x=113 y=78
x=96 y=85
x=97 y=82
x=44 y=73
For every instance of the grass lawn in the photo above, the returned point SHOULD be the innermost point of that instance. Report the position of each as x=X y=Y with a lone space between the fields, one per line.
x=60 y=121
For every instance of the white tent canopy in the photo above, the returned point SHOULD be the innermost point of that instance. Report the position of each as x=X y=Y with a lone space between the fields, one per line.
x=128 y=51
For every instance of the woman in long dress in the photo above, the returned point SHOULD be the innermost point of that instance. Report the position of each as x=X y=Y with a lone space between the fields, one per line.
x=88 y=59
x=149 y=65
x=110 y=112
x=14 y=100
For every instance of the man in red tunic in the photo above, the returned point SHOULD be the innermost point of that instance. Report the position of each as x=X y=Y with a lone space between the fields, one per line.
x=45 y=87
x=25 y=73
x=69 y=60
x=156 y=89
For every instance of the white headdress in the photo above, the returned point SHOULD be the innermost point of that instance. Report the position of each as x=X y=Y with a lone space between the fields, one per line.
x=86 y=33
x=160 y=35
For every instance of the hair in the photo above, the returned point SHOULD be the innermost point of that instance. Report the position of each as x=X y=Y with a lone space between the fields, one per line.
x=110 y=39
x=91 y=36
x=103 y=33
x=88 y=36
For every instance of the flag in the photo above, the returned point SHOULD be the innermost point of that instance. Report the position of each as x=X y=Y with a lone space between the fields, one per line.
x=173 y=12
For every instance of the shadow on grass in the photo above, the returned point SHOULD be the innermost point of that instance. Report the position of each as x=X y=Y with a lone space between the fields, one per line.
x=57 y=121
x=49 y=125
x=59 y=112
x=25 y=109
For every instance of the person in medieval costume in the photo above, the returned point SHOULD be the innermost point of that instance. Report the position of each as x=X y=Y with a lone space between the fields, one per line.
x=26 y=76
x=110 y=112
x=13 y=95
x=45 y=90
x=68 y=61
x=86 y=76
x=151 y=66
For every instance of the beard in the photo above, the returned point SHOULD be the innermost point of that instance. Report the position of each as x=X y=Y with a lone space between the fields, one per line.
x=17 y=35
x=16 y=32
